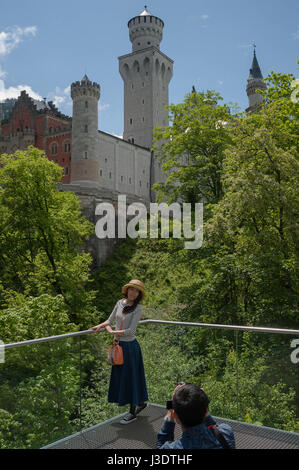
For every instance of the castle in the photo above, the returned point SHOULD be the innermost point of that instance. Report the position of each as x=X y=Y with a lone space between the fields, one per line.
x=99 y=166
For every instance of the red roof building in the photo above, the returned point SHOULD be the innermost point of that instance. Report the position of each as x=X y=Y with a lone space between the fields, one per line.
x=39 y=124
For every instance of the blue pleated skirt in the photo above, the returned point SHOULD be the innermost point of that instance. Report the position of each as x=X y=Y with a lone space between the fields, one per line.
x=127 y=382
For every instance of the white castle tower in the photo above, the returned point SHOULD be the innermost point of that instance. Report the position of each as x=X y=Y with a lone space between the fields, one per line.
x=146 y=73
x=255 y=81
x=85 y=95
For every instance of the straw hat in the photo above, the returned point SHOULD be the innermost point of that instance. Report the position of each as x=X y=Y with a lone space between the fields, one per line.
x=137 y=284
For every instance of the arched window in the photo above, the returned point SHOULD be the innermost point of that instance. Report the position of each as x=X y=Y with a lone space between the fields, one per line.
x=54 y=148
x=67 y=147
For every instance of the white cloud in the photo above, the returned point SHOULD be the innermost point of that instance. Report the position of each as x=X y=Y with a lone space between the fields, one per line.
x=244 y=46
x=104 y=107
x=67 y=90
x=11 y=37
x=14 y=92
x=2 y=73
x=296 y=35
x=60 y=97
x=204 y=17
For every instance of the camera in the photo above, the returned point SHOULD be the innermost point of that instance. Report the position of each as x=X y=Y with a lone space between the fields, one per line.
x=169 y=405
x=169 y=402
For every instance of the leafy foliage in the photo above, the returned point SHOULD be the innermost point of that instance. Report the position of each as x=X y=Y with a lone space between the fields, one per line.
x=244 y=168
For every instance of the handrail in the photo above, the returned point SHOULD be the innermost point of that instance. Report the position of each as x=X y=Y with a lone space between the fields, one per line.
x=256 y=329
x=259 y=329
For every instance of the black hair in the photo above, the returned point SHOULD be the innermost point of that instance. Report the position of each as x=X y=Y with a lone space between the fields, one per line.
x=130 y=308
x=190 y=403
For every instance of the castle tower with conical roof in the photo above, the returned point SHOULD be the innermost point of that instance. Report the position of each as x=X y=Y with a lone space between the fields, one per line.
x=85 y=95
x=255 y=81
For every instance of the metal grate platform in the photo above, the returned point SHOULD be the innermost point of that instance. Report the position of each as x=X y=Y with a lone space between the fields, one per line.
x=142 y=434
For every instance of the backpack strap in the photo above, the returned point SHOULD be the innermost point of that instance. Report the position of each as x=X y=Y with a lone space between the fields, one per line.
x=219 y=436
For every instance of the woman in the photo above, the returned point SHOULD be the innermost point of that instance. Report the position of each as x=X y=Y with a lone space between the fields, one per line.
x=127 y=382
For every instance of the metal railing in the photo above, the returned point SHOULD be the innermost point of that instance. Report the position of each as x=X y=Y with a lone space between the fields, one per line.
x=66 y=376
x=255 y=329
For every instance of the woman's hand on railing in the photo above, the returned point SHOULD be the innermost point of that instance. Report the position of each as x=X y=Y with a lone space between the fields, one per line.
x=99 y=328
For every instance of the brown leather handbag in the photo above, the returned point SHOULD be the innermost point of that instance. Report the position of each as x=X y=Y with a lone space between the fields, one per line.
x=115 y=356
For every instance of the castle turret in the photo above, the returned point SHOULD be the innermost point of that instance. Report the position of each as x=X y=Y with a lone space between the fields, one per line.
x=85 y=95
x=145 y=30
x=146 y=73
x=255 y=81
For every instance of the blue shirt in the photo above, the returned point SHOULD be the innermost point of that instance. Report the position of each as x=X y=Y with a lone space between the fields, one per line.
x=196 y=437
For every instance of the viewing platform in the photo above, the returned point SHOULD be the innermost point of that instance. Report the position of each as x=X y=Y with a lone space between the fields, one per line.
x=142 y=434
x=60 y=404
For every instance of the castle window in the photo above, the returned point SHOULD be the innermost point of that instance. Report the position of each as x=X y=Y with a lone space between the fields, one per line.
x=130 y=180
x=140 y=183
x=54 y=148
x=121 y=178
x=131 y=121
x=132 y=141
x=66 y=170
x=145 y=19
x=105 y=160
x=67 y=147
x=85 y=155
x=151 y=19
x=110 y=175
x=86 y=104
x=101 y=172
x=86 y=128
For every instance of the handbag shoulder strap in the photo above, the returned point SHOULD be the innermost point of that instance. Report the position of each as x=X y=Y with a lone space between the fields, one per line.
x=121 y=325
x=219 y=436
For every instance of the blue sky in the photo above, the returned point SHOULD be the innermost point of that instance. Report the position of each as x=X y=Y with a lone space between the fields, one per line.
x=45 y=46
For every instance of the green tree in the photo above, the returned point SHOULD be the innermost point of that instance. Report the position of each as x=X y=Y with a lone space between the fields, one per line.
x=252 y=238
x=41 y=230
x=192 y=148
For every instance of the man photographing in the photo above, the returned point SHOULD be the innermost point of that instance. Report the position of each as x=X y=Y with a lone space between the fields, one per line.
x=189 y=408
